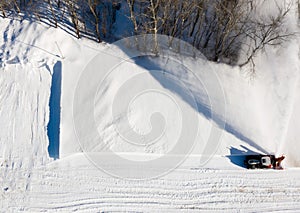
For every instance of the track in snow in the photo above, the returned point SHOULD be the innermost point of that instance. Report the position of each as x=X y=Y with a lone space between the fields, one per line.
x=56 y=188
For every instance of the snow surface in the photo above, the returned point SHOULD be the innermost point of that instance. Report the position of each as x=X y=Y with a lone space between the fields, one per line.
x=261 y=116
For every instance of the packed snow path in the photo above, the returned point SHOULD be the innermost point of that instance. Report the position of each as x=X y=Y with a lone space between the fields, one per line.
x=54 y=188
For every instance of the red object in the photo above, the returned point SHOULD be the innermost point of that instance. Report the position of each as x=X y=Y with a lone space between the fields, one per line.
x=278 y=162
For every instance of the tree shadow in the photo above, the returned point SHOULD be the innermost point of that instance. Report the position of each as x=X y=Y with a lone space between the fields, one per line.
x=238 y=156
x=53 y=129
x=58 y=16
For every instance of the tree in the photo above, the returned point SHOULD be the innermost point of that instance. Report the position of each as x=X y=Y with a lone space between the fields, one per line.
x=93 y=4
x=53 y=13
x=270 y=32
x=73 y=7
x=3 y=6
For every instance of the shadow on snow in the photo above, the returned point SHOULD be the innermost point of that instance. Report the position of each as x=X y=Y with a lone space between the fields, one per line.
x=237 y=156
x=53 y=129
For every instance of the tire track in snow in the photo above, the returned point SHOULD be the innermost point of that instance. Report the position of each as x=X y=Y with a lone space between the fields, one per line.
x=221 y=190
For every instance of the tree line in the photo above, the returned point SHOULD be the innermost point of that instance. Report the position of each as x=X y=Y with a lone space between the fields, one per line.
x=229 y=31
x=223 y=30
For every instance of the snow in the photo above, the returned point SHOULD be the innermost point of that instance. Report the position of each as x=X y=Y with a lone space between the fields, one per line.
x=182 y=101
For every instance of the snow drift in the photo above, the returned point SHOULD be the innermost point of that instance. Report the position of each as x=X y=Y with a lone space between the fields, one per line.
x=261 y=110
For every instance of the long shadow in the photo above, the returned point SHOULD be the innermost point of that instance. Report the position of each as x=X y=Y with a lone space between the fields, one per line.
x=237 y=134
x=148 y=63
x=53 y=129
x=238 y=156
x=173 y=85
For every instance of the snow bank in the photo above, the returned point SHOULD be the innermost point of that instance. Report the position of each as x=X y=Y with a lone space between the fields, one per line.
x=258 y=106
x=261 y=110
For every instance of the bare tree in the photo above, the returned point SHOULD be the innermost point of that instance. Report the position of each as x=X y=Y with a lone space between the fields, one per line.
x=72 y=6
x=153 y=7
x=265 y=33
x=16 y=6
x=53 y=13
x=93 y=8
x=131 y=5
x=3 y=6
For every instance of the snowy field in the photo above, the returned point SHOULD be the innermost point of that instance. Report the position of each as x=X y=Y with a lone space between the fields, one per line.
x=43 y=112
x=64 y=187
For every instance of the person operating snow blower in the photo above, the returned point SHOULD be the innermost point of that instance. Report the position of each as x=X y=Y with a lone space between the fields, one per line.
x=277 y=162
